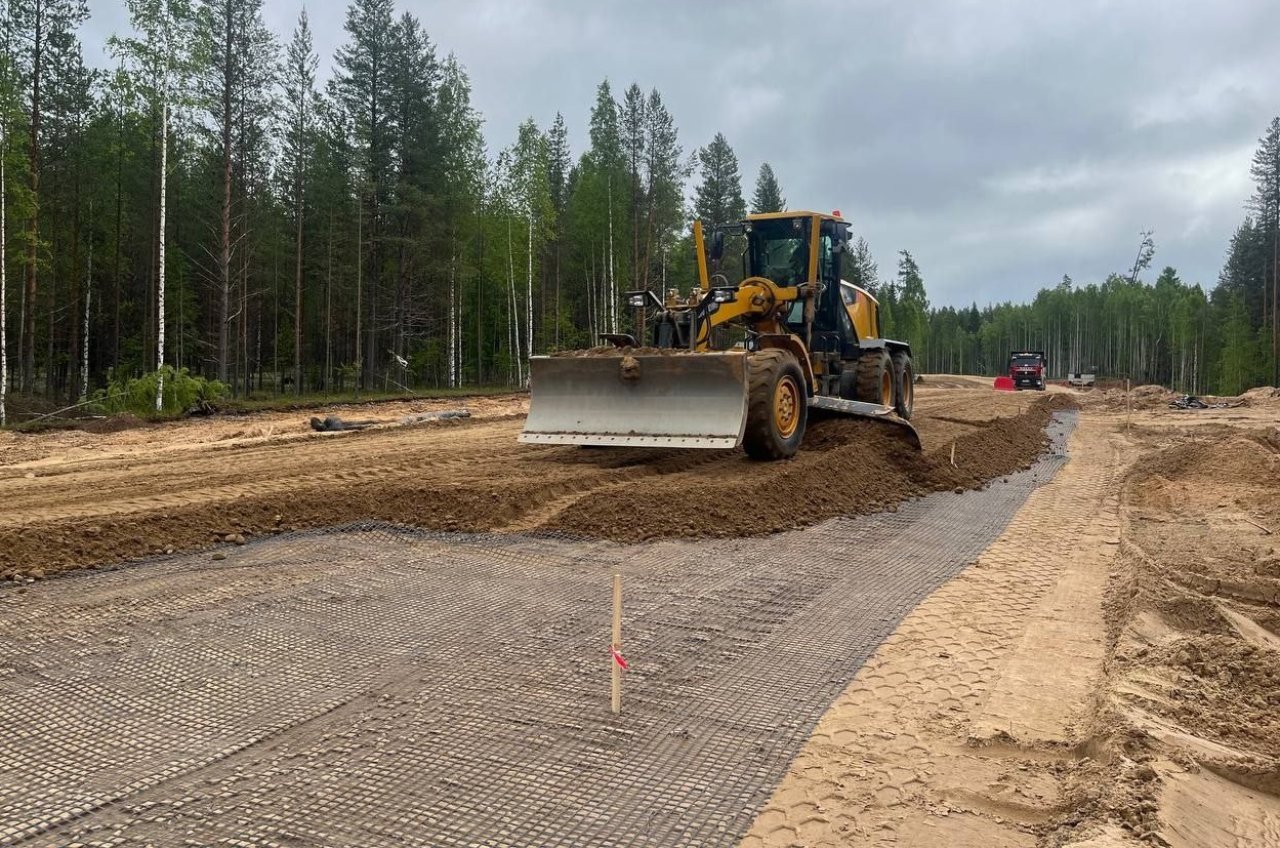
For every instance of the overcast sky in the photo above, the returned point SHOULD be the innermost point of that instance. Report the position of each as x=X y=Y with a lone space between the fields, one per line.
x=1003 y=143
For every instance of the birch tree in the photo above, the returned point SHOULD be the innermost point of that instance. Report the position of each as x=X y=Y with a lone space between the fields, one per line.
x=462 y=147
x=159 y=60
x=532 y=196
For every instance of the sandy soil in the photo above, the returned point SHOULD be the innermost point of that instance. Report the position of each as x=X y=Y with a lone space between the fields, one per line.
x=68 y=499
x=1106 y=674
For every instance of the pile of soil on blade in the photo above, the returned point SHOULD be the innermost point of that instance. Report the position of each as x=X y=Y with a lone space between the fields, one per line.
x=846 y=466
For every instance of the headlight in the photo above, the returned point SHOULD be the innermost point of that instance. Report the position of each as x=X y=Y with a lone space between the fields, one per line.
x=723 y=295
x=636 y=300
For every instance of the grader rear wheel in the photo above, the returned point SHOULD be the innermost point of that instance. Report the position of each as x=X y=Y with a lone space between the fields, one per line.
x=875 y=378
x=904 y=376
x=777 y=406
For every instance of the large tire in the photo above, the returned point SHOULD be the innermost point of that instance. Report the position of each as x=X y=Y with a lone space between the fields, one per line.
x=875 y=378
x=904 y=381
x=777 y=405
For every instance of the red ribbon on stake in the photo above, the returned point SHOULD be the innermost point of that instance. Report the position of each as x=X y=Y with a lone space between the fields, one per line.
x=618 y=658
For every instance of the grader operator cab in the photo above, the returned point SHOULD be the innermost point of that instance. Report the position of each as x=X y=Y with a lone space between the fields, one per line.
x=729 y=365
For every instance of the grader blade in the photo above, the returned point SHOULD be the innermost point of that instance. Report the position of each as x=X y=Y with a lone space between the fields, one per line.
x=696 y=400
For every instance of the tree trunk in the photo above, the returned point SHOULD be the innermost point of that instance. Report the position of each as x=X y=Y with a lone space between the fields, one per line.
x=4 y=281
x=454 y=347
x=88 y=297
x=297 y=295
x=224 y=222
x=359 y=288
x=529 y=285
x=328 y=310
x=115 y=271
x=164 y=173
x=28 y=333
x=612 y=305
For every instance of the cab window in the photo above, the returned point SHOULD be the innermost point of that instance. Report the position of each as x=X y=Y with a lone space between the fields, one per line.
x=826 y=259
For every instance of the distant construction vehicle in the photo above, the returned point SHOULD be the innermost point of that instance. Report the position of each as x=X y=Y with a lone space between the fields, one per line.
x=1027 y=369
x=1083 y=379
x=729 y=365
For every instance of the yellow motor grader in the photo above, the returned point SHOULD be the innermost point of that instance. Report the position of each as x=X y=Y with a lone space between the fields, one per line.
x=729 y=365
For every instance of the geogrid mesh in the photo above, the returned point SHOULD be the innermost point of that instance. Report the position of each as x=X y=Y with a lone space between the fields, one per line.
x=379 y=685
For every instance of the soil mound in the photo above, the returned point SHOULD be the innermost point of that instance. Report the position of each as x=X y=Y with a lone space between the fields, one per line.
x=1235 y=460
x=845 y=467
x=1226 y=689
x=475 y=477
x=113 y=424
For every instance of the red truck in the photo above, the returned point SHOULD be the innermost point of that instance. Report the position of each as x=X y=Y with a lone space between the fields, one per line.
x=1027 y=369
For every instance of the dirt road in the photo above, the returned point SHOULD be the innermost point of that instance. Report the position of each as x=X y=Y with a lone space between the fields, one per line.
x=1090 y=653
x=71 y=499
x=379 y=686
x=1107 y=674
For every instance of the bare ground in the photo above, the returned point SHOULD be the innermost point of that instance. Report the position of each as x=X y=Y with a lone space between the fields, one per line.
x=1106 y=674
x=68 y=500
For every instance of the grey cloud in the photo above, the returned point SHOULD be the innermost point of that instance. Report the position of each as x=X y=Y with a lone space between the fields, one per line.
x=1004 y=143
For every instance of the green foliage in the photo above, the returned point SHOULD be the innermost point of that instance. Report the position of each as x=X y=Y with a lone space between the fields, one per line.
x=373 y=220
x=768 y=194
x=137 y=395
x=718 y=198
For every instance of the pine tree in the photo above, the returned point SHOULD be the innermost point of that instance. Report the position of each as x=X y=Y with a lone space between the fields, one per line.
x=911 y=313
x=558 y=173
x=413 y=222
x=1265 y=203
x=1238 y=359
x=664 y=182
x=863 y=270
x=718 y=198
x=768 y=195
x=607 y=165
x=633 y=124
x=298 y=76
x=361 y=87
x=43 y=35
x=6 y=89
x=235 y=57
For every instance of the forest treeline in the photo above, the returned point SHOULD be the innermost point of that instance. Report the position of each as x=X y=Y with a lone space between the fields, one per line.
x=206 y=204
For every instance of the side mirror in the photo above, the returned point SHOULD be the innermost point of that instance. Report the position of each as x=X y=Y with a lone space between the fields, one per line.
x=717 y=246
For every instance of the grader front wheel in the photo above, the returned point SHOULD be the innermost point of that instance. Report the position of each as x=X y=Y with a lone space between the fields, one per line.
x=777 y=406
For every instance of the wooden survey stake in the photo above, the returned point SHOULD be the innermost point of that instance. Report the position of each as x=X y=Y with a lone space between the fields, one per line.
x=1128 y=405
x=616 y=648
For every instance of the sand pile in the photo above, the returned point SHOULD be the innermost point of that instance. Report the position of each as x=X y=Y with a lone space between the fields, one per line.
x=475 y=477
x=846 y=466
